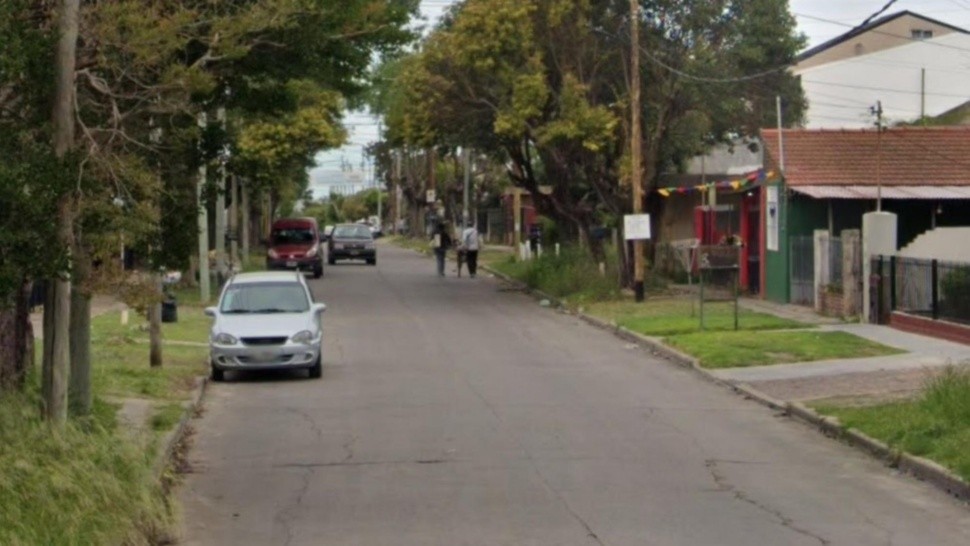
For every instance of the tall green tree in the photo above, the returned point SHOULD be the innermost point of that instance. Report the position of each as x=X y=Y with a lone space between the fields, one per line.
x=545 y=84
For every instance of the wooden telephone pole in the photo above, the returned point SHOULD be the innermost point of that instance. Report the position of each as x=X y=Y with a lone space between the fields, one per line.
x=636 y=143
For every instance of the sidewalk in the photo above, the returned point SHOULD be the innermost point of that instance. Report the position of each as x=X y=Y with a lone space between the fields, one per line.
x=100 y=304
x=849 y=380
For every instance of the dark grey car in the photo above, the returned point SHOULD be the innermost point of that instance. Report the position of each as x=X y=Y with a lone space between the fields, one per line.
x=351 y=242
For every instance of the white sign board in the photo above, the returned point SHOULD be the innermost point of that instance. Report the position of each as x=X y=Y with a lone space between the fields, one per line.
x=772 y=212
x=636 y=227
x=430 y=196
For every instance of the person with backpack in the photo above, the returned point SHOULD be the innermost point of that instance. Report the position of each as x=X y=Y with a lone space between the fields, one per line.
x=471 y=243
x=440 y=242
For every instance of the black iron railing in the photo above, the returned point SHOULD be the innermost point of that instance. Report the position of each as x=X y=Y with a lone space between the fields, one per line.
x=932 y=288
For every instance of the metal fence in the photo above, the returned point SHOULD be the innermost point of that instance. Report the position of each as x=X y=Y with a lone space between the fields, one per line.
x=802 y=270
x=932 y=288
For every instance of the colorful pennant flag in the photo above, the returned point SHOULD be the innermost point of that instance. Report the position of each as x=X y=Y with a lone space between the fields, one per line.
x=755 y=176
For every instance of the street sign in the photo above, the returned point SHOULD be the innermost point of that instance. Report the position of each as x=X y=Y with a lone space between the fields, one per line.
x=430 y=197
x=636 y=227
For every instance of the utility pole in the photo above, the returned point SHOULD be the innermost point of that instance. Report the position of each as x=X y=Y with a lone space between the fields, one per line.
x=203 y=224
x=57 y=308
x=380 y=186
x=221 y=206
x=877 y=111
x=636 y=142
x=467 y=156
x=397 y=190
x=234 y=221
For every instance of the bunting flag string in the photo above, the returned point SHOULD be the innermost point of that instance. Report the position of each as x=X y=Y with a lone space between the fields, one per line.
x=753 y=177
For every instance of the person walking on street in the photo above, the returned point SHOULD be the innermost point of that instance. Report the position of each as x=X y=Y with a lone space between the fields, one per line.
x=471 y=243
x=440 y=242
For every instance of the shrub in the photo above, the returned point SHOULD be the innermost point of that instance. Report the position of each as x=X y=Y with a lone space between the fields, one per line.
x=574 y=274
x=955 y=293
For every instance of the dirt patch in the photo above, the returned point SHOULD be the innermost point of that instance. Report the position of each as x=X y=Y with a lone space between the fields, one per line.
x=850 y=389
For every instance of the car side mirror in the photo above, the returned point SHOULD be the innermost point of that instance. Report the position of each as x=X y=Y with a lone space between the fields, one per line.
x=319 y=308
x=210 y=311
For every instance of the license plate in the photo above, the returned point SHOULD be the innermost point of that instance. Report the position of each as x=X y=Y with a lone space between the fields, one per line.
x=290 y=264
x=354 y=252
x=265 y=356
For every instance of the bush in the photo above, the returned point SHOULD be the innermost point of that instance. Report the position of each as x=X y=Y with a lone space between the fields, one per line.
x=955 y=293
x=574 y=274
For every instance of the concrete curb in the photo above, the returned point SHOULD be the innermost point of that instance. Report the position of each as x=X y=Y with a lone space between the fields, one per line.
x=918 y=467
x=166 y=449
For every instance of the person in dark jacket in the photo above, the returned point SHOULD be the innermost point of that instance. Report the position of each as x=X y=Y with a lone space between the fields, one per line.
x=441 y=241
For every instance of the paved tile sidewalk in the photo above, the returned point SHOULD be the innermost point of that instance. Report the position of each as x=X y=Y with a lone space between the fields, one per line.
x=883 y=377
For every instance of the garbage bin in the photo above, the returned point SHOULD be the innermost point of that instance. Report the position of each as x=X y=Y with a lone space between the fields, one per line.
x=170 y=311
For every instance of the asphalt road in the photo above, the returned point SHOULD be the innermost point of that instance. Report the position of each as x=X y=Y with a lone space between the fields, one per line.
x=454 y=412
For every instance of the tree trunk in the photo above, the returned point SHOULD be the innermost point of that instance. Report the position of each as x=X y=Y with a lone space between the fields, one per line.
x=80 y=395
x=57 y=309
x=155 y=325
x=79 y=391
x=16 y=341
x=246 y=222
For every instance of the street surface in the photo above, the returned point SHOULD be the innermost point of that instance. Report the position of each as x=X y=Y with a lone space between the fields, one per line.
x=455 y=412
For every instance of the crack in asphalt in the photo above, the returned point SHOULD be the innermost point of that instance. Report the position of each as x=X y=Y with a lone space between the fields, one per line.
x=590 y=533
x=284 y=516
x=722 y=485
x=890 y=534
x=349 y=447
x=361 y=463
x=306 y=417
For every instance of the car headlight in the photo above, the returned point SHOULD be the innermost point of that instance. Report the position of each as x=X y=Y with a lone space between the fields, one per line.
x=306 y=336
x=224 y=339
x=311 y=252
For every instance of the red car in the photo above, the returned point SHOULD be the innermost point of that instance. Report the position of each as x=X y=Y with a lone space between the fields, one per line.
x=294 y=243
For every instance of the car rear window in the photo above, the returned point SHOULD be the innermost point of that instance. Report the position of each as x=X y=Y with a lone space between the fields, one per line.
x=352 y=232
x=292 y=236
x=265 y=297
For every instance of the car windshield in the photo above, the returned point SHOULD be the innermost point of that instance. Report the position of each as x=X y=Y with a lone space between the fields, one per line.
x=351 y=232
x=265 y=297
x=292 y=236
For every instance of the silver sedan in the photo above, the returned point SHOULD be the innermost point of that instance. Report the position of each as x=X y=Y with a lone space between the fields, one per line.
x=266 y=320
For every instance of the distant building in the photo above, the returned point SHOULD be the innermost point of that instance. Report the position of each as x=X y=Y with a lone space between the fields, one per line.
x=915 y=66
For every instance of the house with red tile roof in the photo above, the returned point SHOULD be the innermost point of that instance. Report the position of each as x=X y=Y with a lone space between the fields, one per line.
x=831 y=178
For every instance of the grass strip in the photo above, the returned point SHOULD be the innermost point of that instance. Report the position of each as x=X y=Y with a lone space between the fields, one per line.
x=934 y=425
x=759 y=348
x=84 y=484
x=92 y=482
x=671 y=316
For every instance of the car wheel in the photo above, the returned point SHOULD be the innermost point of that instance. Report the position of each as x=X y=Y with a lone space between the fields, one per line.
x=318 y=271
x=372 y=261
x=218 y=375
x=316 y=370
x=331 y=260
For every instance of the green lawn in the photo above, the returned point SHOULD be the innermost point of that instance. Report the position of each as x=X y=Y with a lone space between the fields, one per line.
x=760 y=348
x=935 y=425
x=120 y=354
x=669 y=316
x=92 y=482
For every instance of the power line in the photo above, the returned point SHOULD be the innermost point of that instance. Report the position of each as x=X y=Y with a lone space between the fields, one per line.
x=882 y=32
x=887 y=90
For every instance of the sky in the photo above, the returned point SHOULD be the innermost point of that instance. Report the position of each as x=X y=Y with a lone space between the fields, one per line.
x=345 y=170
